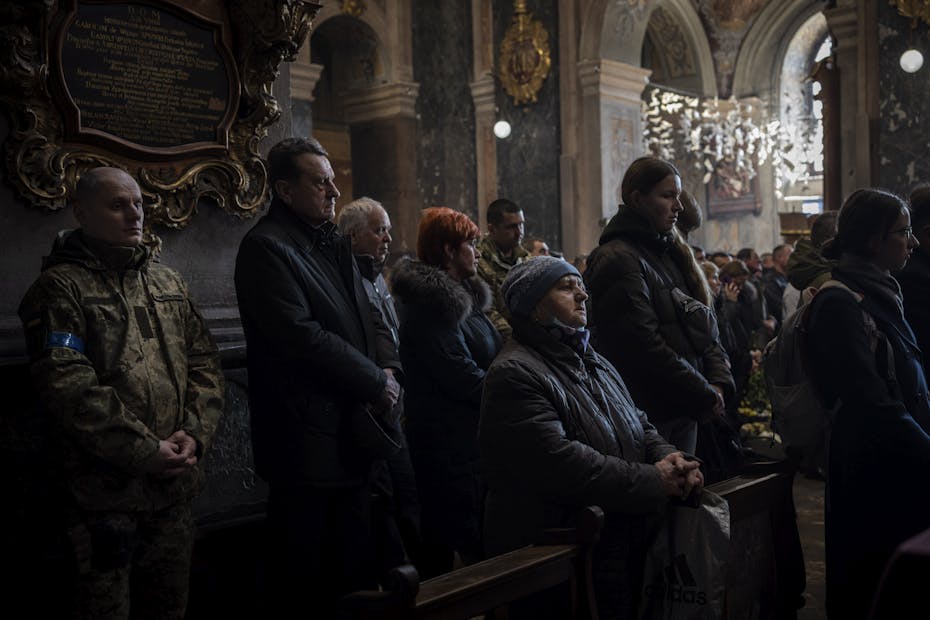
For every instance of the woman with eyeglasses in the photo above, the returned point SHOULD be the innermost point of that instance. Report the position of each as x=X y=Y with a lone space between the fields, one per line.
x=915 y=276
x=867 y=367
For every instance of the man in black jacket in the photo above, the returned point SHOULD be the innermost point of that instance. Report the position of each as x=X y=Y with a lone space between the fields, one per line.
x=319 y=359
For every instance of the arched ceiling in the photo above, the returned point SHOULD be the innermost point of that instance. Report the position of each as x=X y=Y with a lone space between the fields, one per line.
x=617 y=31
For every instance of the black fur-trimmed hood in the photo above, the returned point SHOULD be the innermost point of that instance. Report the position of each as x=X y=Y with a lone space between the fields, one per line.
x=433 y=291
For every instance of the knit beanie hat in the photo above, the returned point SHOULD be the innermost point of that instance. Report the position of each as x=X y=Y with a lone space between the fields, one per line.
x=529 y=281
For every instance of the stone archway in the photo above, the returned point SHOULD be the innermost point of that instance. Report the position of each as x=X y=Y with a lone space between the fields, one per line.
x=765 y=46
x=371 y=100
x=757 y=78
x=602 y=125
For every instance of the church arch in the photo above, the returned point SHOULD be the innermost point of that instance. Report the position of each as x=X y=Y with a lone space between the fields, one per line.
x=758 y=65
x=617 y=31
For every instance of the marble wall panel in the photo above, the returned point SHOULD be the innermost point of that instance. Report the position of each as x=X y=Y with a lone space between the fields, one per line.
x=904 y=133
x=442 y=65
x=528 y=161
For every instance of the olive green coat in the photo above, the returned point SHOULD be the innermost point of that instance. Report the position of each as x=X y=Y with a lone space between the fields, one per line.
x=493 y=269
x=121 y=359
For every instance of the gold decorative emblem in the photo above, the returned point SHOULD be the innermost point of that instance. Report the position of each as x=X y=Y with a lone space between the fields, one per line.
x=524 y=60
x=915 y=9
x=353 y=8
x=56 y=135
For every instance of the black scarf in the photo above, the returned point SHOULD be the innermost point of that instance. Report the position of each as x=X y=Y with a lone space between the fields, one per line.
x=575 y=339
x=874 y=283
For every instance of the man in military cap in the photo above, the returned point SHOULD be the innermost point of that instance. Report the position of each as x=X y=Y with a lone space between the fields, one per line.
x=131 y=379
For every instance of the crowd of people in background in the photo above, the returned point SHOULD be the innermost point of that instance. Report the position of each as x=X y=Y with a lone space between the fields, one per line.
x=454 y=406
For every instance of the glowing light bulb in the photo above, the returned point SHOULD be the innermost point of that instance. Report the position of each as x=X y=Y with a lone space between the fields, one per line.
x=912 y=60
x=502 y=129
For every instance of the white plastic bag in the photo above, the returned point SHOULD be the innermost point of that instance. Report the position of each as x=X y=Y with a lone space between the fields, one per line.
x=686 y=565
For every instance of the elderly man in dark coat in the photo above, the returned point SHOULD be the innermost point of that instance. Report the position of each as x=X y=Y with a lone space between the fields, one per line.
x=395 y=507
x=319 y=361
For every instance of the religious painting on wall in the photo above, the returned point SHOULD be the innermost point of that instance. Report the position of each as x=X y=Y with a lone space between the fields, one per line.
x=731 y=191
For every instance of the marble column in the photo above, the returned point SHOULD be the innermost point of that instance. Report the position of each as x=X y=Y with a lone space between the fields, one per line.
x=610 y=135
x=569 y=125
x=382 y=124
x=483 y=92
x=857 y=135
x=304 y=76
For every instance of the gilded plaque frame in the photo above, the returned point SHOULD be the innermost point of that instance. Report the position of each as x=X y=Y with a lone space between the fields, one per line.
x=43 y=167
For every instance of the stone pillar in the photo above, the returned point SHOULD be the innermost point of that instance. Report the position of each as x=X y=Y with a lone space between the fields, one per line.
x=483 y=90
x=570 y=125
x=856 y=134
x=611 y=138
x=304 y=77
x=382 y=121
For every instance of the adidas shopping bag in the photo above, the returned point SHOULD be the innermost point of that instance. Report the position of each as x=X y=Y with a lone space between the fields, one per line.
x=685 y=574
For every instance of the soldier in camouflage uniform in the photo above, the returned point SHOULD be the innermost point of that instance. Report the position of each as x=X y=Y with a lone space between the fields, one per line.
x=125 y=366
x=500 y=251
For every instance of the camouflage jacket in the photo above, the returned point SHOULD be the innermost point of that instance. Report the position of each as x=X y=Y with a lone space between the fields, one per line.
x=121 y=359
x=493 y=269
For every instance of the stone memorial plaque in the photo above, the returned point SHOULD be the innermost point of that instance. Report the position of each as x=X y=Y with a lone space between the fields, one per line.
x=147 y=78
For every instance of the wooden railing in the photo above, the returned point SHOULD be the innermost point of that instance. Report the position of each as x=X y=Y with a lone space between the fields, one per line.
x=761 y=514
x=563 y=556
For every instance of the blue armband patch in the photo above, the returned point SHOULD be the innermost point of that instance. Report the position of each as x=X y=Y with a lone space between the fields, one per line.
x=64 y=340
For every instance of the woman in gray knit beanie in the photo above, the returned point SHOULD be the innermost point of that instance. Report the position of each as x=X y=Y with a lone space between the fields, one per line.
x=559 y=432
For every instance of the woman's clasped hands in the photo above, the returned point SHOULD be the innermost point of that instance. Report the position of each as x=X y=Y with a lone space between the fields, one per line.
x=680 y=475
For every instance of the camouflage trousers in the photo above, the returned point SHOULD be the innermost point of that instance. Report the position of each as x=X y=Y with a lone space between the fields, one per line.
x=132 y=564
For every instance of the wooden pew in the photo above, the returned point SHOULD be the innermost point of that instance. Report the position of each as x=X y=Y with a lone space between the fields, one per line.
x=765 y=570
x=563 y=556
x=759 y=585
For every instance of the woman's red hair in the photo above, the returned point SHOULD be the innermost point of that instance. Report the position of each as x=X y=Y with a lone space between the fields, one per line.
x=440 y=226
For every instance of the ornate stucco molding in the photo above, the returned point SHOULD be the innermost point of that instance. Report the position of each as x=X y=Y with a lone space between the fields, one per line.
x=304 y=77
x=386 y=101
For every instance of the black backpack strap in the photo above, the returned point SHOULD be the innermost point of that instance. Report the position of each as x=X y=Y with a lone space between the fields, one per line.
x=884 y=354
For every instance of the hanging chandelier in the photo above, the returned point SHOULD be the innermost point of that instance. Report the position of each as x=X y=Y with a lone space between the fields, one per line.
x=709 y=135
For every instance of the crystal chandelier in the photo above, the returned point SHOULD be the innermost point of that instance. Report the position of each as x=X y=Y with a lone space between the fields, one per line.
x=709 y=135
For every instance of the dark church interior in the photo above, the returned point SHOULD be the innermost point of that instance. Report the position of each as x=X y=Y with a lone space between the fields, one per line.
x=495 y=144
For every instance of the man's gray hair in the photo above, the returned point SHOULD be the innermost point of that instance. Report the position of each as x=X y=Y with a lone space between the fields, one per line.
x=354 y=216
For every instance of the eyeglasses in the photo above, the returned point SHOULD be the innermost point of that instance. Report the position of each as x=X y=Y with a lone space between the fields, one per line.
x=907 y=230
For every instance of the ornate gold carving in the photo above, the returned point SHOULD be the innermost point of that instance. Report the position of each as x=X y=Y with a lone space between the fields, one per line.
x=915 y=9
x=44 y=168
x=524 y=59
x=353 y=8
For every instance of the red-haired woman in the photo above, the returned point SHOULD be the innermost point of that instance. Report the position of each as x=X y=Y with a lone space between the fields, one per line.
x=446 y=345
